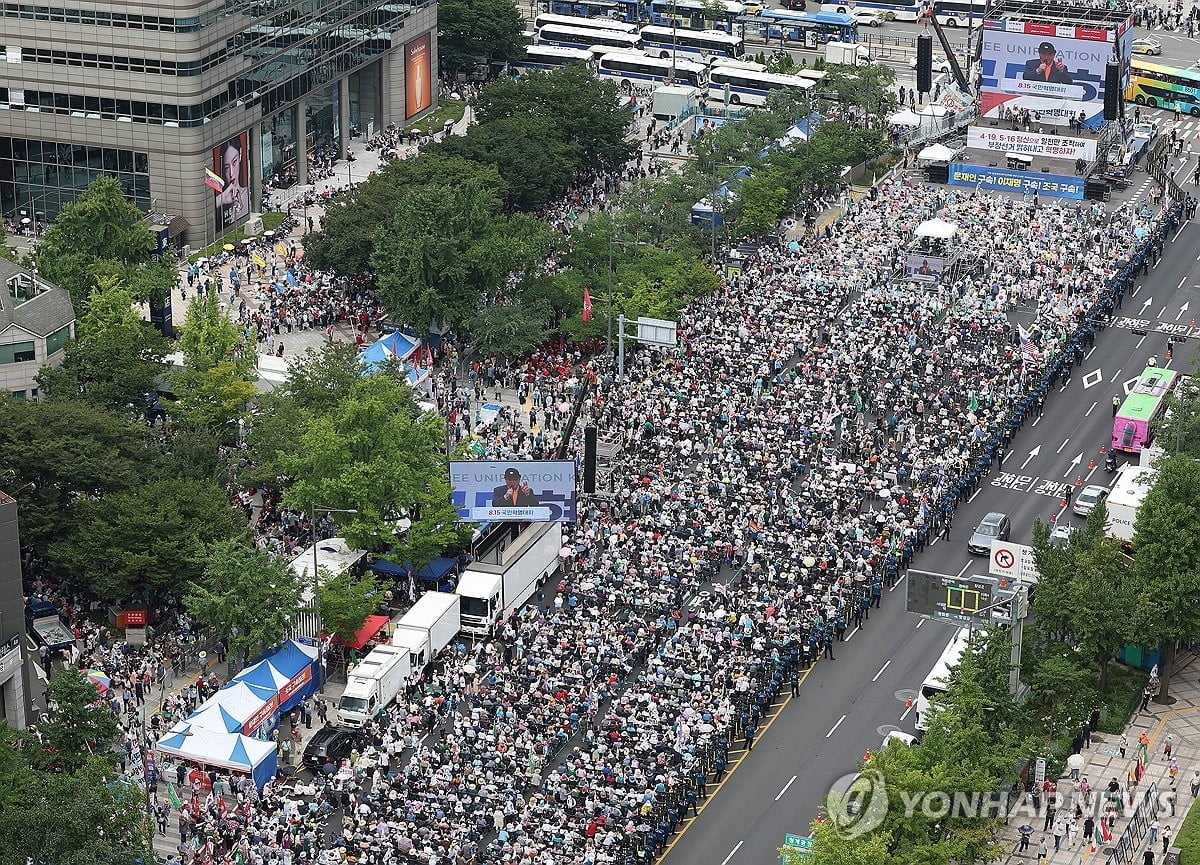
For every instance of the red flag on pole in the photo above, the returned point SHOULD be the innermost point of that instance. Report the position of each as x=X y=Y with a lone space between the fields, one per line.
x=587 y=305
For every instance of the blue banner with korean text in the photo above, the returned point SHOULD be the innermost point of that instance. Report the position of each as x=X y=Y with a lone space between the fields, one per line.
x=1007 y=180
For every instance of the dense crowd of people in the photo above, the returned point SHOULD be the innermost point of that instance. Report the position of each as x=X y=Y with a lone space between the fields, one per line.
x=818 y=424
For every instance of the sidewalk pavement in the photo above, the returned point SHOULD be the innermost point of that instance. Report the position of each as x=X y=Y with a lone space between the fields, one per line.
x=1181 y=722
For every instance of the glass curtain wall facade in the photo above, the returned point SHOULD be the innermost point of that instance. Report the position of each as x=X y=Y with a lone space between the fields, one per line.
x=154 y=94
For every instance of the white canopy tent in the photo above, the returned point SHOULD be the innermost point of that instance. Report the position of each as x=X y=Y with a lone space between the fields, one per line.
x=936 y=229
x=937 y=153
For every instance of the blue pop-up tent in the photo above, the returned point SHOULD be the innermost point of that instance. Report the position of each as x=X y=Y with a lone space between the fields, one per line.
x=393 y=346
x=230 y=751
x=291 y=672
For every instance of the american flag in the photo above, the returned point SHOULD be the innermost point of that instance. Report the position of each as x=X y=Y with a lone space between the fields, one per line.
x=1029 y=352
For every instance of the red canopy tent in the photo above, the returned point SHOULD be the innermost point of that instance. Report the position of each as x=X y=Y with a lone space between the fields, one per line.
x=372 y=626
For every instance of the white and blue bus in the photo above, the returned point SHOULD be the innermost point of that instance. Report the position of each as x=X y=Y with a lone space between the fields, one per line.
x=810 y=29
x=888 y=10
x=940 y=677
x=551 y=18
x=663 y=41
x=582 y=37
x=547 y=58
x=586 y=8
x=694 y=15
x=629 y=69
x=734 y=85
x=959 y=13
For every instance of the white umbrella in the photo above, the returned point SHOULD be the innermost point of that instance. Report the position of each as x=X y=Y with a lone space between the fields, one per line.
x=937 y=153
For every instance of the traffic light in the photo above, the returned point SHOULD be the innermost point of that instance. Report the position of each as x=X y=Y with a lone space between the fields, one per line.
x=1112 y=90
x=924 y=64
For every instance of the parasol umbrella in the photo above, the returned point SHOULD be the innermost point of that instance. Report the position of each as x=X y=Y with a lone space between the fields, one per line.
x=229 y=247
x=26 y=220
x=99 y=679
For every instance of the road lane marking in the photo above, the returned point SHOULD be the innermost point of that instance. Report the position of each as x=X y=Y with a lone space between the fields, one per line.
x=906 y=711
x=777 y=798
x=919 y=623
x=850 y=635
x=1089 y=411
x=1036 y=422
x=732 y=853
x=900 y=579
x=835 y=726
x=964 y=568
x=1061 y=446
x=972 y=498
x=1116 y=375
x=881 y=669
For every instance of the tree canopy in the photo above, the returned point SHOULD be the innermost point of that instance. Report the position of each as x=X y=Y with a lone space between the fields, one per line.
x=102 y=234
x=376 y=454
x=246 y=595
x=478 y=32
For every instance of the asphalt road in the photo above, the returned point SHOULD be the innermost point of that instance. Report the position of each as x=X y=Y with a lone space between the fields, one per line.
x=847 y=705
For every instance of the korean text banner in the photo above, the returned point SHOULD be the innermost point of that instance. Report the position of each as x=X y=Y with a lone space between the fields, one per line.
x=1055 y=77
x=1053 y=185
x=1000 y=140
x=529 y=491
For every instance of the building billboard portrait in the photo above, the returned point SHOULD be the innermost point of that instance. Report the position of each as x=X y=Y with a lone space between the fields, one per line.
x=529 y=491
x=923 y=268
x=231 y=185
x=1052 y=70
x=418 y=76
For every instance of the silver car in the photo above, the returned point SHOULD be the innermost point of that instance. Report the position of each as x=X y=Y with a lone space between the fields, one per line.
x=1086 y=498
x=993 y=527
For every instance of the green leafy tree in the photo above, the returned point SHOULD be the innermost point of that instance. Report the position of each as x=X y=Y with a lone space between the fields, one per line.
x=478 y=32
x=346 y=601
x=586 y=109
x=377 y=455
x=64 y=453
x=115 y=357
x=445 y=250
x=760 y=206
x=102 y=234
x=1166 y=567
x=346 y=240
x=831 y=848
x=149 y=536
x=1179 y=430
x=216 y=384
x=80 y=725
x=536 y=162
x=54 y=817
x=245 y=595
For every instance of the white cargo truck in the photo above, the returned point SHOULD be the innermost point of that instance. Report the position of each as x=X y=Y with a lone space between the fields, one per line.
x=1128 y=493
x=429 y=626
x=490 y=592
x=374 y=684
x=847 y=54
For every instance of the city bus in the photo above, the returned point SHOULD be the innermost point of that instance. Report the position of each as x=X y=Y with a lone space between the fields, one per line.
x=663 y=41
x=1133 y=426
x=632 y=68
x=959 y=13
x=694 y=15
x=939 y=678
x=734 y=85
x=550 y=18
x=586 y=8
x=547 y=58
x=582 y=37
x=811 y=29
x=1164 y=87
x=889 y=10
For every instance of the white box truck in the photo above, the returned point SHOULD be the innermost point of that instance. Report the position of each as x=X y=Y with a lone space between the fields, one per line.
x=847 y=54
x=435 y=621
x=490 y=592
x=1128 y=493
x=374 y=684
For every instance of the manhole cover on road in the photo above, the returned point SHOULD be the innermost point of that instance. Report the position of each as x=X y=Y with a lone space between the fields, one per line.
x=884 y=729
x=906 y=694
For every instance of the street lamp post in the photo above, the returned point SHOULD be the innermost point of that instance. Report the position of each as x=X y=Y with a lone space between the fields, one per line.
x=313 y=510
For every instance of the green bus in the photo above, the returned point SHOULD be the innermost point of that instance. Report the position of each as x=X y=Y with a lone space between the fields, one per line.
x=1158 y=86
